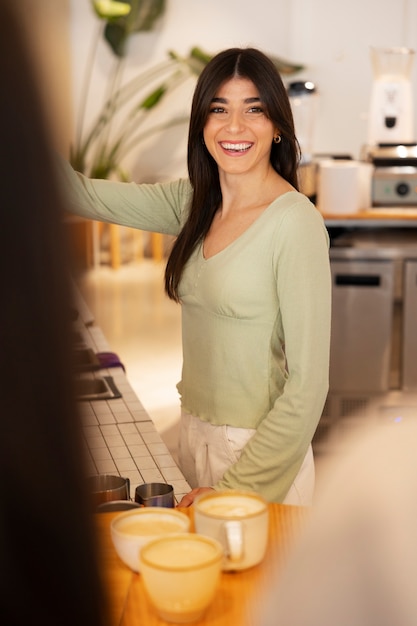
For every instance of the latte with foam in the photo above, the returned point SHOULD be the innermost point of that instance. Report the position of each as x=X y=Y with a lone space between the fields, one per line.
x=229 y=507
x=153 y=526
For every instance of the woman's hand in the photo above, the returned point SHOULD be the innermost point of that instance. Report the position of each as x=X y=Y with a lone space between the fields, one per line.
x=188 y=499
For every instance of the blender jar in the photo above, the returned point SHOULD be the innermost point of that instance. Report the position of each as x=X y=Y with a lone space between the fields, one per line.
x=303 y=100
x=391 y=109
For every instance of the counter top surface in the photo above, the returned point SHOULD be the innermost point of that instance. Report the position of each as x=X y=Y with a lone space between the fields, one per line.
x=236 y=602
x=120 y=436
x=381 y=216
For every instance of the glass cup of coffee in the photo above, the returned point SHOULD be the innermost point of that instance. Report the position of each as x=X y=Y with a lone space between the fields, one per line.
x=181 y=574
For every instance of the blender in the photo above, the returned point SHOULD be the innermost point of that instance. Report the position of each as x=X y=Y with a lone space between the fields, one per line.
x=391 y=108
x=303 y=101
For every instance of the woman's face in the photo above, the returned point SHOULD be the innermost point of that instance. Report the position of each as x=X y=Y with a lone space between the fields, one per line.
x=237 y=133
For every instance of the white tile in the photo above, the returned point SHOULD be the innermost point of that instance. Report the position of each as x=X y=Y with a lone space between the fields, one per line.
x=101 y=408
x=106 y=467
x=135 y=480
x=133 y=439
x=147 y=427
x=138 y=450
x=106 y=418
x=151 y=437
x=90 y=420
x=92 y=431
x=125 y=464
x=164 y=460
x=96 y=442
x=152 y=476
x=127 y=428
x=157 y=448
x=114 y=440
x=120 y=452
x=109 y=430
x=146 y=463
x=102 y=454
x=180 y=486
x=172 y=473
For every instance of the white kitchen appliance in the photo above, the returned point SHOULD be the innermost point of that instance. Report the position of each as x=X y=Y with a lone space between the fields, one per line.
x=394 y=181
x=391 y=107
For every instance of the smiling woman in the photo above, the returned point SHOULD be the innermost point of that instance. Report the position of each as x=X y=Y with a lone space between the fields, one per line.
x=250 y=268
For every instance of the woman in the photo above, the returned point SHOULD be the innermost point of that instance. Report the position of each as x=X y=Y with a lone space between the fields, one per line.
x=250 y=268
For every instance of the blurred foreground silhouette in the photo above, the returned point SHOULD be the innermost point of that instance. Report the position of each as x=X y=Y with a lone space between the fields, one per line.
x=48 y=560
x=356 y=563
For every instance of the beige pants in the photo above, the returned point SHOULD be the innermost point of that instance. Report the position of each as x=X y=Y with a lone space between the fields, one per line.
x=207 y=451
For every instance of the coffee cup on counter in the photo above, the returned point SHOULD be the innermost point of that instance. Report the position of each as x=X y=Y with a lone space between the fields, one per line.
x=108 y=488
x=181 y=574
x=132 y=530
x=239 y=521
x=155 y=494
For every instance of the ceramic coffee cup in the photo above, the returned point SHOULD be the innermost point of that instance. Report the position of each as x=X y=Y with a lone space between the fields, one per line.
x=239 y=521
x=181 y=574
x=133 y=529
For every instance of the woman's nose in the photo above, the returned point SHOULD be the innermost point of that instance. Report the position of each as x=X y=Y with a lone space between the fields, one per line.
x=235 y=122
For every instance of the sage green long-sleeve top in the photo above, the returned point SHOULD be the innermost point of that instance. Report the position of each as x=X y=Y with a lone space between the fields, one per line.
x=255 y=321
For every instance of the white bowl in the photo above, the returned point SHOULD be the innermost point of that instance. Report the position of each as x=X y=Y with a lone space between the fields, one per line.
x=133 y=529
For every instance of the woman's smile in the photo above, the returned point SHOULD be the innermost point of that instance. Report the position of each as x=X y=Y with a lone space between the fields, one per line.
x=236 y=148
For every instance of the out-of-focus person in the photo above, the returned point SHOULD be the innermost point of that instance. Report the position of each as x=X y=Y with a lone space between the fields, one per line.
x=356 y=562
x=48 y=557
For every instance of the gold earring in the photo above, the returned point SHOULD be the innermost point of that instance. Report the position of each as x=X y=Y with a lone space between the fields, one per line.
x=277 y=139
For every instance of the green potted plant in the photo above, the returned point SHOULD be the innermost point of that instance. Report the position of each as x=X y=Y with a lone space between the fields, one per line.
x=121 y=123
x=124 y=120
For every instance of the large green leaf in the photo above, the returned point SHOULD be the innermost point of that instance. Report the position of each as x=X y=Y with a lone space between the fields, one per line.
x=142 y=17
x=110 y=9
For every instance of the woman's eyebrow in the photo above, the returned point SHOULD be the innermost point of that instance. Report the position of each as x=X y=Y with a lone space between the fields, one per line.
x=245 y=100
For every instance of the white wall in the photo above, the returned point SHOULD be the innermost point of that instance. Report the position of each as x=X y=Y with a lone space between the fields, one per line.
x=331 y=37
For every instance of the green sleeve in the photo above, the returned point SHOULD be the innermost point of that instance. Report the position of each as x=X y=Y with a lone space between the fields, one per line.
x=272 y=458
x=159 y=207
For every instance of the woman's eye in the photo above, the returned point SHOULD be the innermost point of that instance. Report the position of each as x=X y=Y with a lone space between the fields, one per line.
x=217 y=110
x=258 y=110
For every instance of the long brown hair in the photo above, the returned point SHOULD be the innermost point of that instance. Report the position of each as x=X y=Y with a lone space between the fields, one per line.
x=202 y=169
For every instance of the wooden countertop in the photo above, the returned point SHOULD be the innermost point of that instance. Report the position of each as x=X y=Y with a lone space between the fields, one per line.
x=381 y=216
x=235 y=602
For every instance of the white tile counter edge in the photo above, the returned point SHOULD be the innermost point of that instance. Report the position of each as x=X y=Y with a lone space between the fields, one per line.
x=120 y=436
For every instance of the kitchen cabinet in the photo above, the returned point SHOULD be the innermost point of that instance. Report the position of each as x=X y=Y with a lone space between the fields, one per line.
x=362 y=294
x=374 y=311
x=373 y=359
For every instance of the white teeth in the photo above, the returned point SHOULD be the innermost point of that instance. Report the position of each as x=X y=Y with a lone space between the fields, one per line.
x=237 y=147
